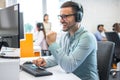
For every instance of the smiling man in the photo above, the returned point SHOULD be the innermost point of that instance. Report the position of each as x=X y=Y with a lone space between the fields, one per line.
x=76 y=51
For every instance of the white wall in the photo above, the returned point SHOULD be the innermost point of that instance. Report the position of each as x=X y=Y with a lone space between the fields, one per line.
x=10 y=2
x=95 y=12
x=100 y=12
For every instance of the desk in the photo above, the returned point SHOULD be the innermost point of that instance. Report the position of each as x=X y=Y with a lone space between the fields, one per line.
x=58 y=73
x=9 y=69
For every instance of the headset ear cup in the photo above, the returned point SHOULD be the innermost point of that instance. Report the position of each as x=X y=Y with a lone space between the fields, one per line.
x=78 y=16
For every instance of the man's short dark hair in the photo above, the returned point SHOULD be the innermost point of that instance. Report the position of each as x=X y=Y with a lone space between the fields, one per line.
x=72 y=4
x=100 y=26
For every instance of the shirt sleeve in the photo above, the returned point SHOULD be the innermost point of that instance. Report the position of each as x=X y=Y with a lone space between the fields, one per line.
x=69 y=62
x=50 y=61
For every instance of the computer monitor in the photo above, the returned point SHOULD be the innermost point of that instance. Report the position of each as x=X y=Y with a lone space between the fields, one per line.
x=21 y=26
x=10 y=26
x=114 y=37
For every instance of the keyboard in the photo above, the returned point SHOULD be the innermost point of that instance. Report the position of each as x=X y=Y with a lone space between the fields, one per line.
x=34 y=70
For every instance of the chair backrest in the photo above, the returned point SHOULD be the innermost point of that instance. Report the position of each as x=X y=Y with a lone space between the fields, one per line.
x=104 y=58
x=114 y=37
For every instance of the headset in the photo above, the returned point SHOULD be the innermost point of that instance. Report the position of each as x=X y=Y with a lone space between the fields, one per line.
x=40 y=26
x=77 y=8
x=79 y=13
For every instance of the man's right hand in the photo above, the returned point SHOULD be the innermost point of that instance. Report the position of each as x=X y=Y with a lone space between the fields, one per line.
x=51 y=37
x=40 y=62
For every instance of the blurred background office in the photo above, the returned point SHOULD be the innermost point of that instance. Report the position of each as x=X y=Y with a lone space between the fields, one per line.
x=100 y=33
x=116 y=28
x=95 y=12
x=46 y=23
x=40 y=36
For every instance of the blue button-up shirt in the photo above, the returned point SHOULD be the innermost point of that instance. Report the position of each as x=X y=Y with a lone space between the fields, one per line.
x=99 y=36
x=76 y=54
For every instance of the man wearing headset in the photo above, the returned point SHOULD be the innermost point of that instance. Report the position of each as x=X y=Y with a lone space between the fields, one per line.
x=76 y=51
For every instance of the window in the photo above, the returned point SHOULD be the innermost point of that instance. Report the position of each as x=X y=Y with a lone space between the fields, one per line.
x=32 y=12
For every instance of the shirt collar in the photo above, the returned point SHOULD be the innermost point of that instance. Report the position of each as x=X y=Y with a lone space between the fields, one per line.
x=78 y=32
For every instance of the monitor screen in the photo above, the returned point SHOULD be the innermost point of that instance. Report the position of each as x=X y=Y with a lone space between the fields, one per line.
x=10 y=26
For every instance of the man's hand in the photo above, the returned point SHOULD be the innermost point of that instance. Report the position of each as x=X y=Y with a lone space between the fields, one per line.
x=39 y=62
x=51 y=37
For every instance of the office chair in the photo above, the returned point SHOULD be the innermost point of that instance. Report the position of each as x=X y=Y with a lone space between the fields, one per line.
x=114 y=37
x=104 y=58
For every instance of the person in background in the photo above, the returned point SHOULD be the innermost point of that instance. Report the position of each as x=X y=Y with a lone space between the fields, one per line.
x=76 y=51
x=116 y=28
x=46 y=23
x=100 y=36
x=40 y=37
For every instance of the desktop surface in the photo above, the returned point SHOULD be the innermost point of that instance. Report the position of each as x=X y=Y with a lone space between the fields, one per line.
x=58 y=73
x=34 y=70
x=9 y=69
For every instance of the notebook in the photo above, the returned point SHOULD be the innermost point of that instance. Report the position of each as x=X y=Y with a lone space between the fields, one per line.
x=34 y=70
